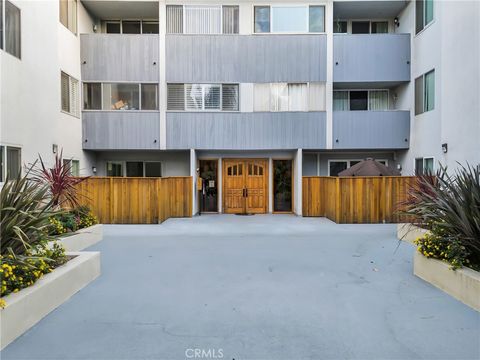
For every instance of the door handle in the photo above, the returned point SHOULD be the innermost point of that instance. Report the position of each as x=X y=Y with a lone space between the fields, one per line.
x=246 y=192
x=243 y=192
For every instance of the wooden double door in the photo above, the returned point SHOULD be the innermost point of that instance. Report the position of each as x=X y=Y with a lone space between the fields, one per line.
x=245 y=186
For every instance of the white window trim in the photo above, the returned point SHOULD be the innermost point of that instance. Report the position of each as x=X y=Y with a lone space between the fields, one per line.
x=5 y=160
x=272 y=5
x=425 y=26
x=348 y=161
x=70 y=78
x=423 y=163
x=423 y=92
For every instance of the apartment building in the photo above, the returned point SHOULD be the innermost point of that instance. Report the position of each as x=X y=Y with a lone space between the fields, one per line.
x=250 y=96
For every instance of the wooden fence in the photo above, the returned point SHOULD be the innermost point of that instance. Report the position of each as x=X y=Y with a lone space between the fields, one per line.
x=121 y=200
x=355 y=199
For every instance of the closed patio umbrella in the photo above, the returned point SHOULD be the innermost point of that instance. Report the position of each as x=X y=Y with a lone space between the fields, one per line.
x=369 y=167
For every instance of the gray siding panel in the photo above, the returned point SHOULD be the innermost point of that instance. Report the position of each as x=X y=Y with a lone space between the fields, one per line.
x=246 y=58
x=119 y=130
x=119 y=57
x=371 y=57
x=371 y=129
x=246 y=131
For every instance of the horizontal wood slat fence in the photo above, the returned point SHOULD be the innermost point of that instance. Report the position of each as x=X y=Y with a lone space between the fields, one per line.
x=119 y=200
x=346 y=200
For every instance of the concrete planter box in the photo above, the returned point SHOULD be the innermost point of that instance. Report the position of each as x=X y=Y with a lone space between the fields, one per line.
x=82 y=238
x=27 y=307
x=463 y=284
x=409 y=233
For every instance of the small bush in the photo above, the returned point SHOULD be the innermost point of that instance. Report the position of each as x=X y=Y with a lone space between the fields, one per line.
x=437 y=247
x=20 y=272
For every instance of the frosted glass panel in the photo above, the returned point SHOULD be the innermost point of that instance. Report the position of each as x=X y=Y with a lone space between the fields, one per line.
x=203 y=19
x=290 y=19
x=297 y=97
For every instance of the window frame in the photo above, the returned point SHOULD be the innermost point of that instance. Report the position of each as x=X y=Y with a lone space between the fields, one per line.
x=4 y=29
x=207 y=4
x=185 y=109
x=425 y=25
x=368 y=98
x=67 y=25
x=423 y=93
x=71 y=161
x=120 y=22
x=4 y=160
x=120 y=82
x=423 y=158
x=283 y=5
x=123 y=164
x=71 y=80
x=349 y=162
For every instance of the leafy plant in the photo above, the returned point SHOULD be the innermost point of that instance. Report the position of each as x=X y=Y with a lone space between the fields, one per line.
x=25 y=210
x=61 y=184
x=450 y=207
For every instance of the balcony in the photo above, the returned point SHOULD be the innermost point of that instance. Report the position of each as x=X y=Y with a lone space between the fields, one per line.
x=119 y=57
x=354 y=130
x=121 y=130
x=246 y=58
x=383 y=58
x=246 y=131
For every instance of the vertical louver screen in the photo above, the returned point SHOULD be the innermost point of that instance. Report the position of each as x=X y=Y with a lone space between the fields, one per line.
x=203 y=19
x=65 y=93
x=230 y=19
x=230 y=97
x=174 y=19
x=175 y=97
x=74 y=106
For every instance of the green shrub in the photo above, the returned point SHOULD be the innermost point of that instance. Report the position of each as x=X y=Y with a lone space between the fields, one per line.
x=449 y=208
x=18 y=272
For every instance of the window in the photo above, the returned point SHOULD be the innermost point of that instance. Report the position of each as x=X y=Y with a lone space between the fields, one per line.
x=1 y=33
x=134 y=168
x=131 y=27
x=92 y=96
x=153 y=169
x=202 y=19
x=74 y=166
x=12 y=30
x=424 y=166
x=360 y=100
x=289 y=97
x=360 y=27
x=69 y=94
x=425 y=92
x=203 y=97
x=120 y=96
x=423 y=14
x=262 y=19
x=379 y=27
x=340 y=26
x=114 y=168
x=68 y=14
x=149 y=27
x=337 y=166
x=289 y=19
x=113 y=27
x=10 y=161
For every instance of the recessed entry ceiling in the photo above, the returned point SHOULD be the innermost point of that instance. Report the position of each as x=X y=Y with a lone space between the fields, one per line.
x=359 y=9
x=123 y=9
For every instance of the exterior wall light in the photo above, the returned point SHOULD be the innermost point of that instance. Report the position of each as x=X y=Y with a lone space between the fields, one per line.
x=54 y=148
x=94 y=169
x=445 y=148
x=396 y=22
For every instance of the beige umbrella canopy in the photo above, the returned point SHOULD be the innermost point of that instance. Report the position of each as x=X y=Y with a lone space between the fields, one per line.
x=369 y=167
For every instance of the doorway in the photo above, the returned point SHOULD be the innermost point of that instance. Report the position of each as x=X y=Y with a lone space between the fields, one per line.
x=282 y=186
x=209 y=192
x=245 y=186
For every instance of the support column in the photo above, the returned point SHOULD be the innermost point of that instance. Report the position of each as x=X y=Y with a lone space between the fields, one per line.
x=270 y=185
x=329 y=83
x=298 y=172
x=194 y=175
x=220 y=186
x=162 y=85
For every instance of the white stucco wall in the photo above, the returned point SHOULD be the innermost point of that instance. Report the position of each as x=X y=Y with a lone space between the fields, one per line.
x=30 y=86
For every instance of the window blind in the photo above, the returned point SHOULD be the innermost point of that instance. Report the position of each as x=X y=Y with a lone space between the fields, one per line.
x=74 y=108
x=297 y=97
x=175 y=97
x=230 y=97
x=378 y=100
x=340 y=101
x=174 y=19
x=316 y=96
x=193 y=97
x=230 y=19
x=203 y=19
x=65 y=92
x=211 y=97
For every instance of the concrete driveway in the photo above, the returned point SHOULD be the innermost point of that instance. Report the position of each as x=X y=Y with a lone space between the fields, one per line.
x=254 y=287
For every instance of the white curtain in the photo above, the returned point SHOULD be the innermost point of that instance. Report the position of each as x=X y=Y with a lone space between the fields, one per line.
x=340 y=100
x=316 y=95
x=202 y=19
x=261 y=98
x=279 y=97
x=297 y=97
x=174 y=19
x=230 y=19
x=378 y=100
